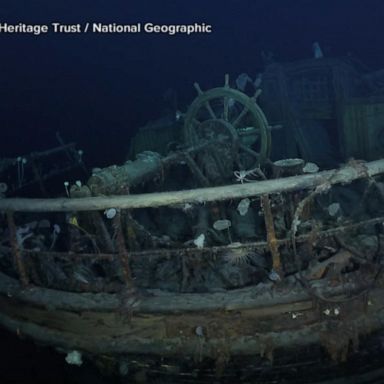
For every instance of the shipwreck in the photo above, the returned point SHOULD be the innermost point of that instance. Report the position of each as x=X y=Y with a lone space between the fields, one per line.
x=231 y=241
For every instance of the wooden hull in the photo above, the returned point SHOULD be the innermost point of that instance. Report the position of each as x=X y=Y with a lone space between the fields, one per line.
x=197 y=326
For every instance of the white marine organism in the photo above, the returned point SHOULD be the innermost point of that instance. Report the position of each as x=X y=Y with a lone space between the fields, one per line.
x=74 y=358
x=273 y=275
x=178 y=115
x=22 y=234
x=200 y=200
x=55 y=234
x=123 y=368
x=79 y=277
x=66 y=185
x=21 y=161
x=199 y=331
x=199 y=241
x=334 y=209
x=310 y=168
x=244 y=175
x=187 y=207
x=231 y=102
x=327 y=312
x=220 y=225
x=258 y=80
x=56 y=229
x=243 y=206
x=237 y=256
x=78 y=183
x=317 y=52
x=110 y=213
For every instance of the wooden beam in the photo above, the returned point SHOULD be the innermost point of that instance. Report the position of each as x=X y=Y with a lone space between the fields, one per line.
x=157 y=301
x=336 y=176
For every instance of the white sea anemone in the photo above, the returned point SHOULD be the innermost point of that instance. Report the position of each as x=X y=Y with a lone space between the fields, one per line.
x=310 y=168
x=237 y=256
x=243 y=206
x=220 y=225
x=74 y=358
x=110 y=213
x=199 y=241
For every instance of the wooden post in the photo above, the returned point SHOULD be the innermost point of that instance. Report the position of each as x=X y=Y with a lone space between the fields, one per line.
x=271 y=235
x=122 y=250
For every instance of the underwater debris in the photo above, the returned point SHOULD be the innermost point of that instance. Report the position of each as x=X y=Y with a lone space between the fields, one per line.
x=287 y=167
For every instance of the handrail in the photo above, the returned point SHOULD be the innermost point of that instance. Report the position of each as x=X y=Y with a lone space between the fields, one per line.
x=343 y=175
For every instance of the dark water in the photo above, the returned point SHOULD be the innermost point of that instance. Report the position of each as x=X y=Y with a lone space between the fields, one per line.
x=98 y=89
x=25 y=362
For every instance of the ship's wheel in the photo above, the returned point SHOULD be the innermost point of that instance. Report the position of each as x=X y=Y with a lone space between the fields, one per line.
x=236 y=122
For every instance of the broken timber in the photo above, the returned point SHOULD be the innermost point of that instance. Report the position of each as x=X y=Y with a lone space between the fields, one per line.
x=343 y=175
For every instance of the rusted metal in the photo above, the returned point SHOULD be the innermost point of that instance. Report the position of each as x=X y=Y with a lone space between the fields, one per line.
x=214 y=250
x=271 y=234
x=122 y=250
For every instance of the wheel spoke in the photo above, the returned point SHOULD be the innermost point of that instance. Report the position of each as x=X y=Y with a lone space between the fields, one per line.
x=250 y=151
x=248 y=132
x=227 y=115
x=196 y=170
x=242 y=114
x=210 y=110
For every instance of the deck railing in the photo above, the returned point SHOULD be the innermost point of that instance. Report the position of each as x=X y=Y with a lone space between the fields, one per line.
x=313 y=184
